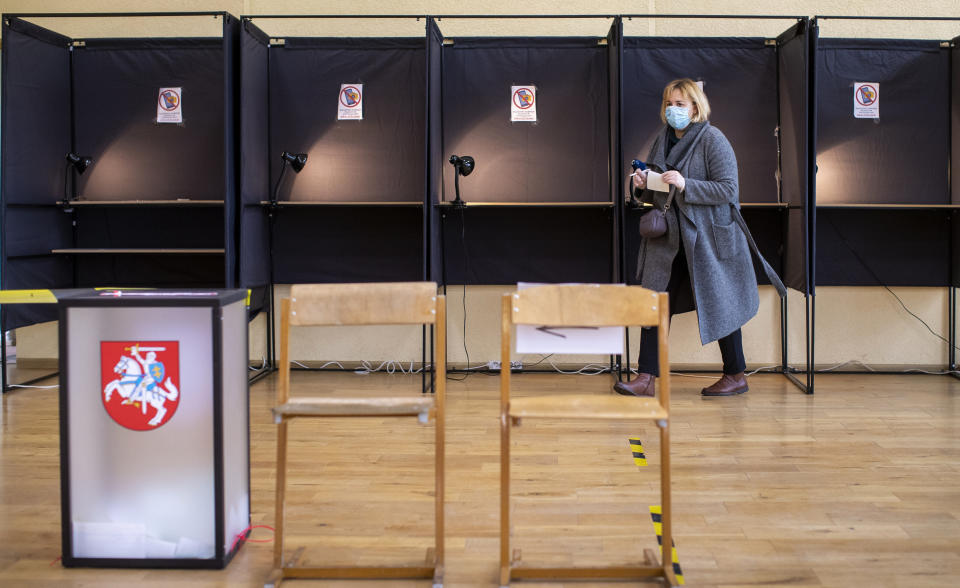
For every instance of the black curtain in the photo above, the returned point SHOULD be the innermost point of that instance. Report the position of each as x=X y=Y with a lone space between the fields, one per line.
x=230 y=153
x=317 y=244
x=255 y=158
x=527 y=244
x=436 y=163
x=740 y=79
x=869 y=247
x=614 y=57
x=793 y=49
x=955 y=122
x=899 y=157
x=564 y=156
x=36 y=137
x=116 y=83
x=377 y=159
x=137 y=158
x=955 y=157
x=367 y=163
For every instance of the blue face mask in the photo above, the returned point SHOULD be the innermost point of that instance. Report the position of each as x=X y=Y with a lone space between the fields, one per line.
x=677 y=117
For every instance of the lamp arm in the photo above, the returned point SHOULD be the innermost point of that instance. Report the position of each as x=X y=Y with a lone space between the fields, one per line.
x=276 y=190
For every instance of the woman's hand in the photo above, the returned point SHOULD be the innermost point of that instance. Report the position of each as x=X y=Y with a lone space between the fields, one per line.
x=639 y=179
x=673 y=177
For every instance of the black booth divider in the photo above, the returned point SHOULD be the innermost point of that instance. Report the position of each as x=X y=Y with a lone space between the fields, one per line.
x=355 y=212
x=886 y=202
x=540 y=204
x=156 y=205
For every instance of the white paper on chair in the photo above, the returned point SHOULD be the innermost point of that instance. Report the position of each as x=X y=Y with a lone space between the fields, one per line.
x=655 y=182
x=553 y=339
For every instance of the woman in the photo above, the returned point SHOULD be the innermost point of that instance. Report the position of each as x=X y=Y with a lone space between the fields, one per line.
x=703 y=260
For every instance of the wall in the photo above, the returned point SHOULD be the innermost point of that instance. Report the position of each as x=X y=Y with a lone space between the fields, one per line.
x=864 y=325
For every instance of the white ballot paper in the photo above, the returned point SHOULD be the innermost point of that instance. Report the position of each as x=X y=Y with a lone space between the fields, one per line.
x=655 y=182
x=553 y=339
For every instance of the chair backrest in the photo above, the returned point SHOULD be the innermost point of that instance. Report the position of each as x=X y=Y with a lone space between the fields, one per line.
x=585 y=305
x=375 y=303
x=383 y=303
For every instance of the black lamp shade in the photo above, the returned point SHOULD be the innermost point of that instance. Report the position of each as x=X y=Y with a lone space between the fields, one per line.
x=296 y=160
x=463 y=163
x=79 y=162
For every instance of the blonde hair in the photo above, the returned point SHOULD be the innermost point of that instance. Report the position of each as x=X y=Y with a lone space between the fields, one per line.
x=691 y=91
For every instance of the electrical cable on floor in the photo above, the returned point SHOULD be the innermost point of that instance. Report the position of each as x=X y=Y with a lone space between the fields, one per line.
x=37 y=387
x=306 y=367
x=591 y=369
x=387 y=366
x=848 y=362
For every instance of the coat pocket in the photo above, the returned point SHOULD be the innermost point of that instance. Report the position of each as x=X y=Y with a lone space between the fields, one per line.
x=727 y=239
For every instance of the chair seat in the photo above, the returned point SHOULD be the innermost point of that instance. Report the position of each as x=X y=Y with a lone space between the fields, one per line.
x=587 y=406
x=355 y=406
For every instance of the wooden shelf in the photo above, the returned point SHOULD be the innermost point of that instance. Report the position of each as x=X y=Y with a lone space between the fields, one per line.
x=286 y=203
x=136 y=251
x=137 y=203
x=529 y=204
x=644 y=206
x=780 y=205
x=890 y=206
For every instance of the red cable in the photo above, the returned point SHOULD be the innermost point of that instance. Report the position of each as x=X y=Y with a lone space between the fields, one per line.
x=241 y=536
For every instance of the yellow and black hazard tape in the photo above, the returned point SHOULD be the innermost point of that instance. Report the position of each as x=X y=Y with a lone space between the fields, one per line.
x=636 y=447
x=27 y=297
x=657 y=515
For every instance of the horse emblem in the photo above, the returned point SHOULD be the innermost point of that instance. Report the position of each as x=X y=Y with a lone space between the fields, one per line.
x=139 y=387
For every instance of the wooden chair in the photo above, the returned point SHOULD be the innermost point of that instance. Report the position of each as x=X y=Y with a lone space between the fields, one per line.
x=585 y=306
x=361 y=304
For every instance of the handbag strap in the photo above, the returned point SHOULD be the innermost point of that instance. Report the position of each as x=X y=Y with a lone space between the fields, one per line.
x=666 y=205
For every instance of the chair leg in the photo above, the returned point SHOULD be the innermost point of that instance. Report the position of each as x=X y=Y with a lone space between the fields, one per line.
x=504 y=500
x=280 y=495
x=666 y=545
x=439 y=473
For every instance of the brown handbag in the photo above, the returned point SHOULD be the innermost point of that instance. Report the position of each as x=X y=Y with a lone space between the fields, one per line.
x=653 y=224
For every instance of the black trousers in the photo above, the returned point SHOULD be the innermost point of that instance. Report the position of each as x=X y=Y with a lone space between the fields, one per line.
x=681 y=300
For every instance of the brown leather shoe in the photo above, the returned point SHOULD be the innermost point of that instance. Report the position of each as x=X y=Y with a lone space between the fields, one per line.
x=728 y=385
x=642 y=385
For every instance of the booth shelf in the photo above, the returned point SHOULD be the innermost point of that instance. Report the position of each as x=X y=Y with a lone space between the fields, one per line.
x=138 y=203
x=530 y=204
x=141 y=251
x=414 y=204
x=841 y=206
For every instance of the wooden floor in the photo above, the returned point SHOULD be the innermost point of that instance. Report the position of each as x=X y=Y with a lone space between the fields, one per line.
x=858 y=485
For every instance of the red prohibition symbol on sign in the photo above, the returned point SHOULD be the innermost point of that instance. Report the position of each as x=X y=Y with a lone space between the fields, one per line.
x=523 y=98
x=169 y=100
x=350 y=97
x=866 y=95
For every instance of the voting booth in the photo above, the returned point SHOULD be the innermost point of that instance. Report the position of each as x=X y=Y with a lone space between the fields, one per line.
x=154 y=427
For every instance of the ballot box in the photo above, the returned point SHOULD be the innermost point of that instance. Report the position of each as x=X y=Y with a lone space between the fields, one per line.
x=154 y=427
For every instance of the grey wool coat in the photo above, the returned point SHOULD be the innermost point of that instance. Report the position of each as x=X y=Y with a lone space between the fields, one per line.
x=717 y=243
